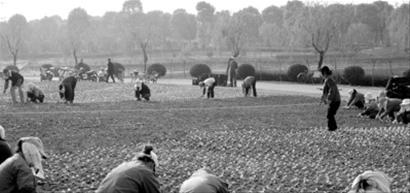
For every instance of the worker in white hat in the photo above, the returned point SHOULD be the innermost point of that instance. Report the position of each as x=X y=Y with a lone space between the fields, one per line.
x=19 y=172
x=403 y=116
x=371 y=182
x=5 y=151
x=202 y=181
x=135 y=176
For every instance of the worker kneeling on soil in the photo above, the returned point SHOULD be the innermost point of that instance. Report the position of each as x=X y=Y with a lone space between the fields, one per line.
x=249 y=83
x=371 y=182
x=371 y=107
x=202 y=181
x=34 y=94
x=208 y=86
x=17 y=81
x=356 y=99
x=142 y=90
x=66 y=89
x=403 y=116
x=387 y=106
x=136 y=176
x=20 y=172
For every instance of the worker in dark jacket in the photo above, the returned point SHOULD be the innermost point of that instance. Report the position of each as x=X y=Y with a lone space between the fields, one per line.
x=356 y=99
x=231 y=71
x=5 y=151
x=136 y=176
x=110 y=70
x=330 y=96
x=34 y=94
x=17 y=81
x=67 y=88
x=142 y=90
x=249 y=83
x=203 y=181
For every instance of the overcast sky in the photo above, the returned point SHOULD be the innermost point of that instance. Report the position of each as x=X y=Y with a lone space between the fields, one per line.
x=36 y=9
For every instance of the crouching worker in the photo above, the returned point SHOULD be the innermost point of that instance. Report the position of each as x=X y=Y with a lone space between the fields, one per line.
x=403 y=116
x=17 y=81
x=371 y=108
x=249 y=83
x=142 y=90
x=66 y=89
x=34 y=94
x=19 y=173
x=136 y=176
x=356 y=99
x=387 y=106
x=208 y=86
x=202 y=181
x=371 y=182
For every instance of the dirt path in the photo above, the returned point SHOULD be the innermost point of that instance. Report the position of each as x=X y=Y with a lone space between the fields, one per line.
x=290 y=88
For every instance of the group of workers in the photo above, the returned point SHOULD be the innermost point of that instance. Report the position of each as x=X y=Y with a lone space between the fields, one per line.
x=397 y=110
x=21 y=171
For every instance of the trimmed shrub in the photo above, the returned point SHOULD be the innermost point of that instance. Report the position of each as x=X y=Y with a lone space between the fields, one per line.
x=159 y=68
x=85 y=67
x=406 y=73
x=199 y=70
x=47 y=66
x=12 y=68
x=354 y=75
x=294 y=70
x=245 y=70
x=378 y=80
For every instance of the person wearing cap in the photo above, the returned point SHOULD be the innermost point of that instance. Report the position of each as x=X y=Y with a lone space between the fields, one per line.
x=371 y=182
x=34 y=94
x=17 y=81
x=19 y=172
x=403 y=116
x=249 y=83
x=202 y=181
x=231 y=71
x=356 y=99
x=371 y=107
x=208 y=86
x=387 y=106
x=5 y=151
x=330 y=96
x=141 y=90
x=135 y=176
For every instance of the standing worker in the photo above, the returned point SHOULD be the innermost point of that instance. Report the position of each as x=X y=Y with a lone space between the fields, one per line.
x=330 y=96
x=17 y=81
x=110 y=70
x=231 y=71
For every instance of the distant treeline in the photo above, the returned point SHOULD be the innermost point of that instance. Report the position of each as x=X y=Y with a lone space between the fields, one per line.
x=131 y=31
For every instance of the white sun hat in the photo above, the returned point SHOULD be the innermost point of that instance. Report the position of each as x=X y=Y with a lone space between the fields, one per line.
x=2 y=133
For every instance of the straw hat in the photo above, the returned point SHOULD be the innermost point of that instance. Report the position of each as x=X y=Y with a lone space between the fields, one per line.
x=35 y=141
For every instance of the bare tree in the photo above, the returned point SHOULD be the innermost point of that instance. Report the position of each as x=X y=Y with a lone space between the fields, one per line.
x=13 y=36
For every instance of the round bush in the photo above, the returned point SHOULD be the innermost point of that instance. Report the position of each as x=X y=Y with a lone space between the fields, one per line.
x=406 y=73
x=12 y=68
x=296 y=69
x=85 y=67
x=159 y=68
x=354 y=75
x=245 y=70
x=199 y=70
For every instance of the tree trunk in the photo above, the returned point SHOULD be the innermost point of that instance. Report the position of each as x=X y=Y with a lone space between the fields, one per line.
x=15 y=59
x=321 y=58
x=75 y=56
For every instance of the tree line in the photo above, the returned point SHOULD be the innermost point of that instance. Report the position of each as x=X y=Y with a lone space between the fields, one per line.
x=131 y=31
